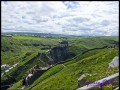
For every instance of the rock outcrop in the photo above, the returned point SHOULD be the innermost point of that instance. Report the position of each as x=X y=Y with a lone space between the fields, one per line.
x=56 y=54
x=59 y=53
x=33 y=74
x=84 y=75
x=114 y=63
x=81 y=79
x=45 y=58
x=5 y=66
x=53 y=56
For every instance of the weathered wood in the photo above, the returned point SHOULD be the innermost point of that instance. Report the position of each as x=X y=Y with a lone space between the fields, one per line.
x=98 y=83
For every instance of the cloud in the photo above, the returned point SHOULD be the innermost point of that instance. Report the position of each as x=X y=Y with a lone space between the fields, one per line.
x=66 y=17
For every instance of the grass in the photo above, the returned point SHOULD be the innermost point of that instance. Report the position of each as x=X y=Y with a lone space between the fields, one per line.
x=16 y=85
x=14 y=48
x=24 y=49
x=47 y=74
x=67 y=78
x=26 y=37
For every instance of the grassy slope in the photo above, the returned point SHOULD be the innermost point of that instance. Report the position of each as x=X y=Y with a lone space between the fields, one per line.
x=67 y=78
x=22 y=45
x=47 y=74
x=64 y=77
x=14 y=48
x=22 y=49
x=79 y=44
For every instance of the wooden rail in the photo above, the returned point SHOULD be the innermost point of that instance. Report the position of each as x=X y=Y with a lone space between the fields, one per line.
x=98 y=84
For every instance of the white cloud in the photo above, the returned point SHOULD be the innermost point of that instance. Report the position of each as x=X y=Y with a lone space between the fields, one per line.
x=72 y=17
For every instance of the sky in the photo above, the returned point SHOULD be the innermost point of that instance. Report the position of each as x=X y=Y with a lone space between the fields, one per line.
x=84 y=18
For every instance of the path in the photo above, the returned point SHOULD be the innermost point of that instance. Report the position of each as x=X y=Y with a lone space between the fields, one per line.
x=63 y=65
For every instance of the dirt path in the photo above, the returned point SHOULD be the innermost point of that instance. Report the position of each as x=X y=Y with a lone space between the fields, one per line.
x=63 y=65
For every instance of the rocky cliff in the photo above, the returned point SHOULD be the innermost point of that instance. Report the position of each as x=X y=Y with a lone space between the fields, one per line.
x=56 y=54
x=59 y=53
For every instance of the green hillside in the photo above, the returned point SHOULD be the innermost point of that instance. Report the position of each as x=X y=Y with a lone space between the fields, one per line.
x=64 y=76
x=92 y=57
x=67 y=77
x=23 y=50
x=15 y=48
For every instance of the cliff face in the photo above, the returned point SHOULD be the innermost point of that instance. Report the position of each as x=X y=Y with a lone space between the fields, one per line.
x=33 y=74
x=46 y=59
x=53 y=56
x=59 y=53
x=56 y=54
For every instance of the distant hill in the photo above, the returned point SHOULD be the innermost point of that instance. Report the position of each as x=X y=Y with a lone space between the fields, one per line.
x=35 y=34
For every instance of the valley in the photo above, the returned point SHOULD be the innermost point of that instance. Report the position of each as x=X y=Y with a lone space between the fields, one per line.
x=61 y=60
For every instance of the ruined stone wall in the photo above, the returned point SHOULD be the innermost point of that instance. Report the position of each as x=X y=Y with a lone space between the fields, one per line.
x=34 y=77
x=35 y=72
